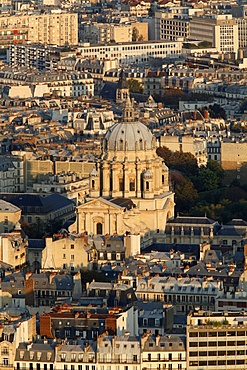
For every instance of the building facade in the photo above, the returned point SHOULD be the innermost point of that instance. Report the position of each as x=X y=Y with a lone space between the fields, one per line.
x=170 y=27
x=220 y=30
x=216 y=340
x=129 y=190
x=54 y=28
x=137 y=52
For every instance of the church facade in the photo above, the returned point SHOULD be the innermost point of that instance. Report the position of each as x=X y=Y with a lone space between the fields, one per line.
x=129 y=187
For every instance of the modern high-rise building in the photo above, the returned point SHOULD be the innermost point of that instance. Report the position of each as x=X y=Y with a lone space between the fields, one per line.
x=221 y=30
x=55 y=28
x=170 y=27
x=216 y=340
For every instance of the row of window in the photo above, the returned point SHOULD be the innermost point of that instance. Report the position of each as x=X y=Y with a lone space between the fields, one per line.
x=241 y=352
x=204 y=334
x=219 y=343
x=215 y=363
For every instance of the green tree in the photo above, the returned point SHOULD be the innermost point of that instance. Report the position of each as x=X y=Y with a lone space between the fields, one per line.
x=205 y=44
x=216 y=111
x=135 y=86
x=217 y=169
x=207 y=180
x=53 y=226
x=185 y=193
x=136 y=35
x=183 y=162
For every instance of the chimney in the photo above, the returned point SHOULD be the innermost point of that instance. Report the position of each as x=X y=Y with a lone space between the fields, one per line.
x=157 y=340
x=206 y=114
x=144 y=339
x=194 y=115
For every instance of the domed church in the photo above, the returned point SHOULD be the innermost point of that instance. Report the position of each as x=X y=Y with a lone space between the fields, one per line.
x=129 y=188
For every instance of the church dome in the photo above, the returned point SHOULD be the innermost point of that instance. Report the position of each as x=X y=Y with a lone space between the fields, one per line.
x=147 y=174
x=164 y=167
x=93 y=173
x=129 y=136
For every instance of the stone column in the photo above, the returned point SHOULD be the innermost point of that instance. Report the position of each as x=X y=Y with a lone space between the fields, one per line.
x=106 y=180
x=138 y=180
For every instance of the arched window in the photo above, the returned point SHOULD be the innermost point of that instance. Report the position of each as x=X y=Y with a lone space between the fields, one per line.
x=147 y=185
x=99 y=228
x=93 y=184
x=163 y=179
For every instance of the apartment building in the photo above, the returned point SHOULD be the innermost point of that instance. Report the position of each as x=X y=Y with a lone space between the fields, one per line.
x=16 y=327
x=67 y=356
x=55 y=28
x=168 y=26
x=214 y=148
x=163 y=352
x=135 y=52
x=11 y=174
x=70 y=84
x=106 y=32
x=63 y=252
x=13 y=248
x=120 y=350
x=221 y=30
x=216 y=340
x=242 y=32
x=185 y=293
x=138 y=8
x=40 y=354
x=31 y=55
x=88 y=324
x=10 y=215
x=187 y=144
x=10 y=35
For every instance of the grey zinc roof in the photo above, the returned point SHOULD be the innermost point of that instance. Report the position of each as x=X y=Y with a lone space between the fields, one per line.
x=192 y=220
x=237 y=222
x=170 y=343
x=37 y=352
x=100 y=285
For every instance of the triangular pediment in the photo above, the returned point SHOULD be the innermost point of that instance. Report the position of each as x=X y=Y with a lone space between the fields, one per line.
x=99 y=203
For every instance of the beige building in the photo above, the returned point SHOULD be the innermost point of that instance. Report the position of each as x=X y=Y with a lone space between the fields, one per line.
x=142 y=29
x=234 y=159
x=16 y=327
x=10 y=215
x=106 y=32
x=54 y=28
x=187 y=144
x=221 y=30
x=38 y=170
x=129 y=190
x=233 y=154
x=13 y=247
x=10 y=35
x=65 y=253
x=132 y=52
